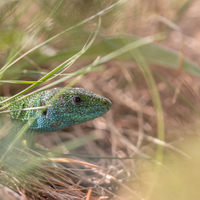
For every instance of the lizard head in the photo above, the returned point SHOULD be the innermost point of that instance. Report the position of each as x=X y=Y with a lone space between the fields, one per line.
x=69 y=107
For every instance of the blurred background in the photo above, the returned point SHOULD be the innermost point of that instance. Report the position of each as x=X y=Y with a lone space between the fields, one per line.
x=145 y=58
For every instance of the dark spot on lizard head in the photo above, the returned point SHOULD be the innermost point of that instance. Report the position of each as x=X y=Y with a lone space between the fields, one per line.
x=45 y=110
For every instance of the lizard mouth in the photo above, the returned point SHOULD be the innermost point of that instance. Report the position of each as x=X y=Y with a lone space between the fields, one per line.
x=98 y=111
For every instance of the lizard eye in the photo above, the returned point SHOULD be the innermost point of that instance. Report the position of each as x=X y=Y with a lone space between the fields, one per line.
x=77 y=100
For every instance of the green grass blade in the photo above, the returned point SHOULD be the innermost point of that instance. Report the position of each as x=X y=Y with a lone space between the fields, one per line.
x=159 y=112
x=153 y=53
x=11 y=62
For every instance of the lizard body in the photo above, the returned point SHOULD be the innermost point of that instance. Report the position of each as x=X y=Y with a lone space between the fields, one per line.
x=63 y=108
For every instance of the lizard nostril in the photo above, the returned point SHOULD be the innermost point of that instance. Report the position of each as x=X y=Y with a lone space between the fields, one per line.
x=107 y=102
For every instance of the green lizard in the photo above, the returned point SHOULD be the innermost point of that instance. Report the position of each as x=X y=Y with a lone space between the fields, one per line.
x=63 y=108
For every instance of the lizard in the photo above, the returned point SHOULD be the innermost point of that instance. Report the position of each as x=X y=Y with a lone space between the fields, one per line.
x=61 y=108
